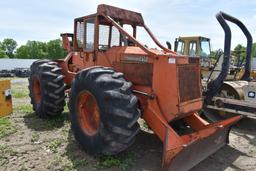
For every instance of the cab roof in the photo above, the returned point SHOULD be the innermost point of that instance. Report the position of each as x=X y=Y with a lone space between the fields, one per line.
x=118 y=14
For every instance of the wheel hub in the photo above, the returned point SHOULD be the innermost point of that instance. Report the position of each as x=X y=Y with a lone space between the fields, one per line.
x=36 y=90
x=88 y=113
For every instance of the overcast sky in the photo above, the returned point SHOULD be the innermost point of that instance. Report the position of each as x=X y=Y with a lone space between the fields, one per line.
x=44 y=20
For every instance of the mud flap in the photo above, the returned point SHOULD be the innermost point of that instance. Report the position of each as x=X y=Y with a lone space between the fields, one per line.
x=187 y=155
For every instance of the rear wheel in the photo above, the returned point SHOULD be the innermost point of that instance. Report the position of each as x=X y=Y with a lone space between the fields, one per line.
x=211 y=115
x=46 y=88
x=104 y=112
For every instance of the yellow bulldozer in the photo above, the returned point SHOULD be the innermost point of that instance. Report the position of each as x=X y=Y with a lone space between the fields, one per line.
x=195 y=46
x=199 y=46
x=237 y=93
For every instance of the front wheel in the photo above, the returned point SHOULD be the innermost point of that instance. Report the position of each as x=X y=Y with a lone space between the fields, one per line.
x=104 y=112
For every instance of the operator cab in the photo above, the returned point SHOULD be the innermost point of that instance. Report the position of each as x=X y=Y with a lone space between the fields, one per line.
x=195 y=46
x=106 y=29
x=109 y=36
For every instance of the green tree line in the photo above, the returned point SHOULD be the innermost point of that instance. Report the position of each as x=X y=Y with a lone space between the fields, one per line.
x=53 y=50
x=239 y=51
x=32 y=49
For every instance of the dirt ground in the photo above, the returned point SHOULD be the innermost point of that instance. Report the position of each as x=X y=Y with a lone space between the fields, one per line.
x=30 y=143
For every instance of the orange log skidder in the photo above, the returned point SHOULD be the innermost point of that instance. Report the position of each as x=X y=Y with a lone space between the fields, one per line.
x=113 y=79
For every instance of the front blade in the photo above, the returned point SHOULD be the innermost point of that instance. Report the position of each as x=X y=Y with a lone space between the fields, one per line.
x=193 y=153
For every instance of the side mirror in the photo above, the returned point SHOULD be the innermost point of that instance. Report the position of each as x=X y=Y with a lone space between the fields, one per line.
x=169 y=45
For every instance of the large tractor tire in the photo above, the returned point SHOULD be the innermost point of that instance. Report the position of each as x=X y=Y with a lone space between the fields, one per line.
x=104 y=111
x=46 y=88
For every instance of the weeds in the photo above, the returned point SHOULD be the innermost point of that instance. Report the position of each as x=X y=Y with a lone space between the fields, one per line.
x=6 y=151
x=109 y=161
x=56 y=162
x=66 y=165
x=23 y=168
x=123 y=161
x=32 y=120
x=145 y=125
x=19 y=91
x=66 y=109
x=25 y=109
x=6 y=127
x=7 y=78
x=127 y=161
x=35 y=137
x=19 y=94
x=80 y=163
x=65 y=130
x=58 y=121
x=53 y=145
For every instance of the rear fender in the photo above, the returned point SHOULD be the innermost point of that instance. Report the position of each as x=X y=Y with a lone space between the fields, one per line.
x=233 y=88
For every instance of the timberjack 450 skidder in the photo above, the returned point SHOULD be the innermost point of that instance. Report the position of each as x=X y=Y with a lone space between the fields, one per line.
x=114 y=79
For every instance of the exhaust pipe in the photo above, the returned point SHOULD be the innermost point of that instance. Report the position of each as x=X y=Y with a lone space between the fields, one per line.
x=246 y=76
x=214 y=86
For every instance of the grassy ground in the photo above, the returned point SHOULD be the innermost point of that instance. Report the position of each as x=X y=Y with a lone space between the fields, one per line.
x=30 y=143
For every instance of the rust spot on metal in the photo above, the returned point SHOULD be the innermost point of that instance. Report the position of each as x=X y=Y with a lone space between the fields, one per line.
x=189 y=81
x=137 y=73
x=125 y=16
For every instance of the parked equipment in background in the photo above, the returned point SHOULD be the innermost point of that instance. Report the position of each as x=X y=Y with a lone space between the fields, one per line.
x=253 y=74
x=223 y=97
x=22 y=72
x=6 y=73
x=235 y=96
x=16 y=72
x=199 y=46
x=5 y=98
x=194 y=46
x=114 y=80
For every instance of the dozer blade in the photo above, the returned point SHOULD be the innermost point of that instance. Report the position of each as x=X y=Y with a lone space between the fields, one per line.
x=191 y=149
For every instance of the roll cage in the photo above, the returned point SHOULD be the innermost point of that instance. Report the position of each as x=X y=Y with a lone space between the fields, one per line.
x=114 y=18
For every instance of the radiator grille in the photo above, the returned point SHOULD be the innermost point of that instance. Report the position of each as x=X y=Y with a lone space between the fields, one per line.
x=189 y=82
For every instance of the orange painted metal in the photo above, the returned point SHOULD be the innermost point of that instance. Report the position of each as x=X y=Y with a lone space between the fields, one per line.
x=193 y=148
x=177 y=145
x=139 y=74
x=66 y=43
x=127 y=17
x=88 y=113
x=168 y=87
x=36 y=89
